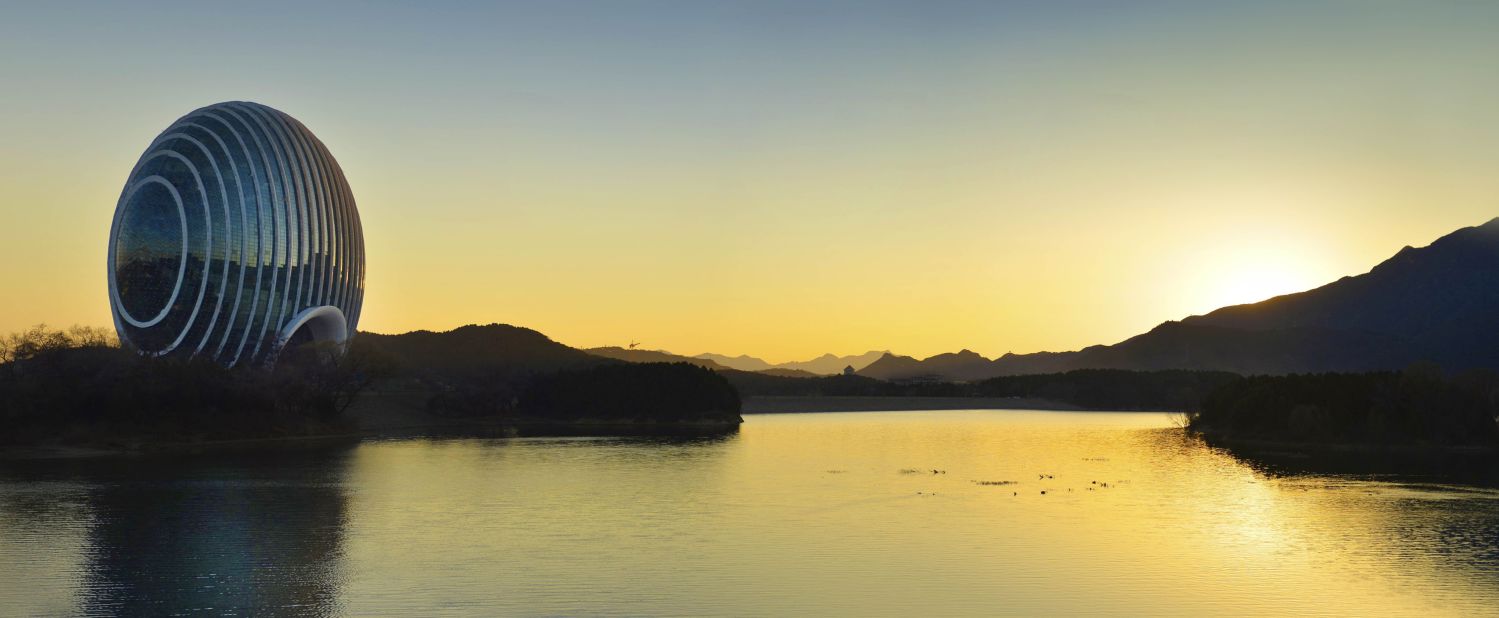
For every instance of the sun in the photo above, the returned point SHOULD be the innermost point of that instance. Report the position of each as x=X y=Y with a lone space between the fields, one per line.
x=1253 y=276
x=1257 y=284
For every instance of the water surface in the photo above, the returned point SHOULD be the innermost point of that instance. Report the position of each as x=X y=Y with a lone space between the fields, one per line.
x=797 y=514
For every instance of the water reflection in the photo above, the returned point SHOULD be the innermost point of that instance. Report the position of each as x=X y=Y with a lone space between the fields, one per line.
x=834 y=514
x=1438 y=510
x=248 y=534
x=540 y=526
x=1456 y=467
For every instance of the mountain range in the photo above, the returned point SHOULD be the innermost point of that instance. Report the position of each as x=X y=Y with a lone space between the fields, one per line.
x=634 y=355
x=491 y=349
x=1438 y=303
x=827 y=364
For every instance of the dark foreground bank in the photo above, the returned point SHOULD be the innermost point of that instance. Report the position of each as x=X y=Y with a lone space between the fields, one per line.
x=78 y=389
x=77 y=393
x=1419 y=409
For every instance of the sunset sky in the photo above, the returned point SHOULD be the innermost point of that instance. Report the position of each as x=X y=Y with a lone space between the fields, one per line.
x=785 y=179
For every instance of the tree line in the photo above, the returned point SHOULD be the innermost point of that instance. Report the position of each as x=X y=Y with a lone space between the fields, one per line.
x=80 y=386
x=1418 y=406
x=1115 y=389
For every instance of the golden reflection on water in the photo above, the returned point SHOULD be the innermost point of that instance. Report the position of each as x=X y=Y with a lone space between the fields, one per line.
x=820 y=514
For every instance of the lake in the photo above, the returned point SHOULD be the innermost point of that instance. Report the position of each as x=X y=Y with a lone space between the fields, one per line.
x=796 y=514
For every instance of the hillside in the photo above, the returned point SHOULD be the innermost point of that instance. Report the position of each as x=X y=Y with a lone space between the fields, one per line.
x=650 y=356
x=519 y=377
x=1438 y=303
x=962 y=366
x=743 y=362
x=788 y=373
x=480 y=349
x=895 y=367
x=832 y=364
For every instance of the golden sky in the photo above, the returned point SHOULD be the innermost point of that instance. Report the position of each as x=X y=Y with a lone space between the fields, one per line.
x=788 y=179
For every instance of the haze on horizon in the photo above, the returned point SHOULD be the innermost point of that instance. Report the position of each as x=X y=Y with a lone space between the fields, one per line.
x=785 y=179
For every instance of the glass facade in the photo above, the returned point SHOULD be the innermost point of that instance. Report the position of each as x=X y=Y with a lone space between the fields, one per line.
x=235 y=222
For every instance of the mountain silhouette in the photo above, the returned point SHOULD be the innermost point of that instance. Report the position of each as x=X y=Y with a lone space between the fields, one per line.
x=964 y=366
x=825 y=365
x=892 y=366
x=831 y=364
x=788 y=373
x=480 y=349
x=1439 y=303
x=650 y=356
x=743 y=362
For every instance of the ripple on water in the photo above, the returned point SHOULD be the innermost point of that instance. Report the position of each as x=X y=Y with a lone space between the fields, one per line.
x=931 y=513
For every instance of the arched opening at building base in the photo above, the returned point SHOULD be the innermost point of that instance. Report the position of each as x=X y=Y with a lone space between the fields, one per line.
x=322 y=326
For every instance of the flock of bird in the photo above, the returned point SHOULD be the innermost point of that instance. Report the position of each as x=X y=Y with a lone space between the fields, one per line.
x=1040 y=477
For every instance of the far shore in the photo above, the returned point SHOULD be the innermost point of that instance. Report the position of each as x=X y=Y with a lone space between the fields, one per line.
x=398 y=414
x=781 y=405
x=456 y=428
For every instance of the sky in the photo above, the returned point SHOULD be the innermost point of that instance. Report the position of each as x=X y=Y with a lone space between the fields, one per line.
x=785 y=179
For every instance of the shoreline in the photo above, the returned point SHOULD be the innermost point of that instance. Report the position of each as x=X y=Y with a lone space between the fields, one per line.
x=433 y=427
x=816 y=404
x=1307 y=449
x=146 y=448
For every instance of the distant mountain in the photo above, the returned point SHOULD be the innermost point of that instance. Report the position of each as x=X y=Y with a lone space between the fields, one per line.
x=743 y=362
x=1185 y=345
x=1439 y=303
x=788 y=373
x=524 y=379
x=963 y=366
x=480 y=349
x=650 y=356
x=894 y=367
x=827 y=364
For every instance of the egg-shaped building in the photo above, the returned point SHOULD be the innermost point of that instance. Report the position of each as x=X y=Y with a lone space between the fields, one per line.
x=236 y=233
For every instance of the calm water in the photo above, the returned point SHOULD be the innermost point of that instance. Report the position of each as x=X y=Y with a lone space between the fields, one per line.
x=832 y=514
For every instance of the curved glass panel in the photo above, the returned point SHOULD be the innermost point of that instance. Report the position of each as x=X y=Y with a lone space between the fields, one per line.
x=148 y=252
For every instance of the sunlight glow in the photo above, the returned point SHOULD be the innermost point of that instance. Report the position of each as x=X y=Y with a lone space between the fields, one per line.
x=1255 y=283
x=1243 y=275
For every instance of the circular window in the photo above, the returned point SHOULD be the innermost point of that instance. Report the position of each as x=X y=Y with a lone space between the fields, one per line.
x=150 y=252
